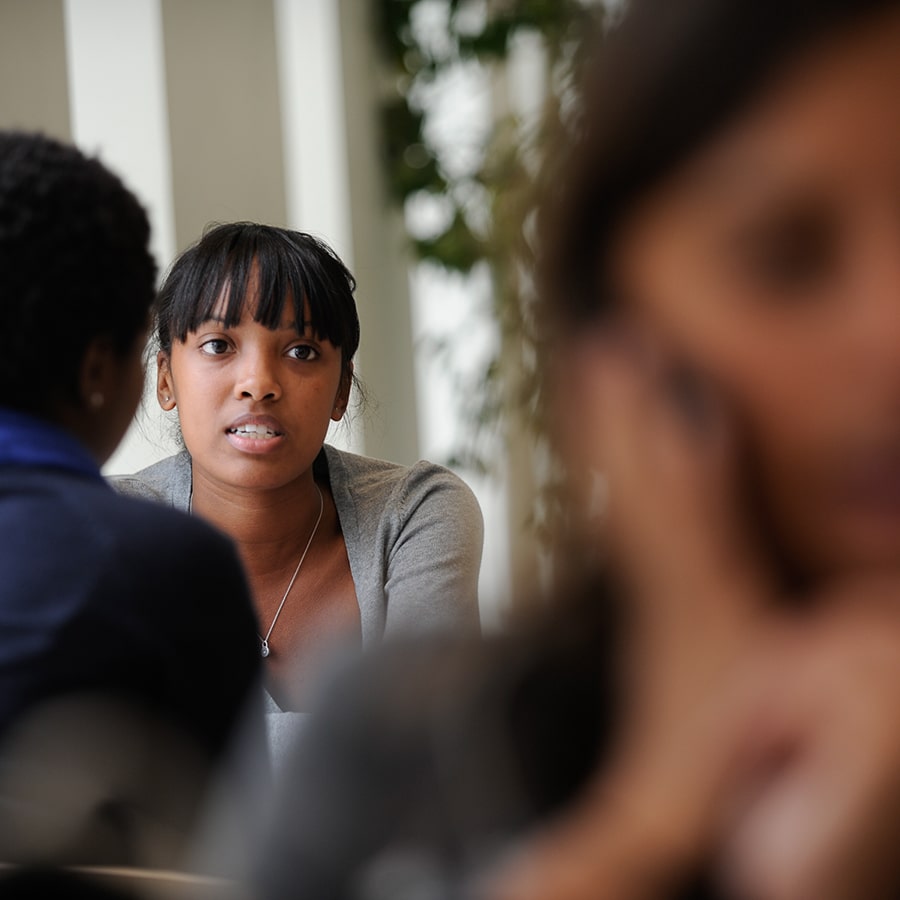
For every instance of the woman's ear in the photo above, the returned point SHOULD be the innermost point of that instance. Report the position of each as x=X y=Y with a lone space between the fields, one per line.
x=98 y=375
x=109 y=389
x=342 y=398
x=165 y=387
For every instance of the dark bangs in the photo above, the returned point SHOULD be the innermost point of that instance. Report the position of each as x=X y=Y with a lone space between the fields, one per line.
x=288 y=264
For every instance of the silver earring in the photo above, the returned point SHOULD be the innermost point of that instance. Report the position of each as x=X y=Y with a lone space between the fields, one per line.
x=97 y=400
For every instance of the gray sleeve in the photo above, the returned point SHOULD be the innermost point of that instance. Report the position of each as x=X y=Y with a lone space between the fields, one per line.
x=167 y=481
x=432 y=568
x=132 y=486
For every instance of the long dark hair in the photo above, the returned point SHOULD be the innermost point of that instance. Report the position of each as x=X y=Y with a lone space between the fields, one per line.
x=658 y=84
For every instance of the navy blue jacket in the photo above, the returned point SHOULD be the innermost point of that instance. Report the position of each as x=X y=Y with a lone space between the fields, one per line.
x=103 y=593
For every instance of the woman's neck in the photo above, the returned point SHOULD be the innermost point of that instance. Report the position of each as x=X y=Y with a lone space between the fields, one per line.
x=267 y=525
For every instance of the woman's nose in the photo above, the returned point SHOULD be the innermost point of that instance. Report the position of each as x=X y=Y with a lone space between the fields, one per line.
x=257 y=378
x=880 y=315
x=875 y=315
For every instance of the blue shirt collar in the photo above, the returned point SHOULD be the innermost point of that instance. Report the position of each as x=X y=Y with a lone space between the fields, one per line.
x=27 y=440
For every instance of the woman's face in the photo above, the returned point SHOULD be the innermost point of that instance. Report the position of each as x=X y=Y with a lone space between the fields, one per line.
x=254 y=404
x=771 y=261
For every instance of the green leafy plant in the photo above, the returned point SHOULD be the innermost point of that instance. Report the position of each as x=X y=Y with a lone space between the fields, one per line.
x=487 y=207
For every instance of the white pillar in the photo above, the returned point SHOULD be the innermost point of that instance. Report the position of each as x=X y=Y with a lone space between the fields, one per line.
x=311 y=88
x=117 y=101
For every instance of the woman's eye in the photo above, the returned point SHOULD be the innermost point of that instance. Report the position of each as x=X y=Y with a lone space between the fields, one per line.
x=214 y=346
x=304 y=352
x=790 y=264
x=792 y=258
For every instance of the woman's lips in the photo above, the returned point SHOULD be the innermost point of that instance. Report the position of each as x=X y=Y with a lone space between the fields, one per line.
x=872 y=484
x=255 y=433
x=258 y=432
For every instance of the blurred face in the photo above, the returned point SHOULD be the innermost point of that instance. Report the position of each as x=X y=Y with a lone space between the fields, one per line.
x=254 y=404
x=771 y=262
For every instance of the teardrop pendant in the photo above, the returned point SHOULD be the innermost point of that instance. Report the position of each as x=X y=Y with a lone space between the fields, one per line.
x=264 y=648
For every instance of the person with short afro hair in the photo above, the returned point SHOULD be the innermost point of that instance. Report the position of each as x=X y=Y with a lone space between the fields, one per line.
x=128 y=662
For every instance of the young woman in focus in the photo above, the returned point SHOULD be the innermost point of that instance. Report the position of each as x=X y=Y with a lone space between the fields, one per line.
x=257 y=329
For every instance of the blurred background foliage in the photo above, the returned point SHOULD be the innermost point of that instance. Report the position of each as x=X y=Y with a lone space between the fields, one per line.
x=486 y=205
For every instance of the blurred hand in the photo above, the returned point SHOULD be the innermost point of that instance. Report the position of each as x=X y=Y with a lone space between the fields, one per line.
x=763 y=744
x=819 y=818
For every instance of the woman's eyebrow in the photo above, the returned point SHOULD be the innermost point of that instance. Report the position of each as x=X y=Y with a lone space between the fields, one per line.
x=748 y=173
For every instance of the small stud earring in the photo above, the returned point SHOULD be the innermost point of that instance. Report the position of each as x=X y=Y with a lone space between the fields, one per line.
x=97 y=400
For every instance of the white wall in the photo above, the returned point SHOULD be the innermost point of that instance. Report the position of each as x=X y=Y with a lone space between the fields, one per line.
x=117 y=102
x=311 y=90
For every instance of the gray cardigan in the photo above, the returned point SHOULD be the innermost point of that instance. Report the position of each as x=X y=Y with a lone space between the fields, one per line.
x=413 y=536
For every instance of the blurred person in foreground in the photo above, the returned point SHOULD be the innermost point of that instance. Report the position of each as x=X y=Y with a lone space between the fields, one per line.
x=128 y=660
x=723 y=267
x=709 y=706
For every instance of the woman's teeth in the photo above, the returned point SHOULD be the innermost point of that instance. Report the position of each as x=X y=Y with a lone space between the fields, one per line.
x=257 y=432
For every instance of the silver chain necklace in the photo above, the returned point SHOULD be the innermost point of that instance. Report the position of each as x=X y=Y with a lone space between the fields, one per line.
x=264 y=641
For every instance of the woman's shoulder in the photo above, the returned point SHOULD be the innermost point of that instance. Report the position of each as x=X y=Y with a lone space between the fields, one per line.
x=388 y=485
x=140 y=518
x=166 y=481
x=121 y=534
x=155 y=501
x=360 y=468
x=370 y=471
